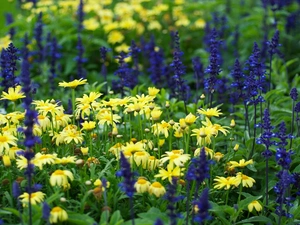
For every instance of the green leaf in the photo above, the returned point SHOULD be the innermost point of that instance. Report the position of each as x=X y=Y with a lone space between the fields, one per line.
x=80 y=219
x=104 y=218
x=13 y=211
x=256 y=219
x=116 y=218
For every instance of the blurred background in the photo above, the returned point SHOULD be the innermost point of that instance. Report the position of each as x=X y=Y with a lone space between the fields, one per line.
x=6 y=6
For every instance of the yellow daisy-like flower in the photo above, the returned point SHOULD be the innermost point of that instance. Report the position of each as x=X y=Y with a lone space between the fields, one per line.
x=170 y=172
x=65 y=160
x=155 y=114
x=73 y=84
x=12 y=152
x=133 y=147
x=42 y=159
x=115 y=37
x=142 y=185
x=218 y=156
x=58 y=214
x=215 y=127
x=157 y=189
x=225 y=182
x=88 y=99
x=13 y=94
x=35 y=197
x=176 y=157
x=241 y=164
x=210 y=112
x=203 y=135
x=245 y=180
x=60 y=177
x=6 y=139
x=256 y=205
x=108 y=118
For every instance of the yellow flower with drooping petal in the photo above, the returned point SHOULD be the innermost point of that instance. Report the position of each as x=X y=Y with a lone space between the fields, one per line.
x=35 y=197
x=70 y=133
x=225 y=182
x=60 y=177
x=142 y=185
x=141 y=158
x=210 y=112
x=245 y=180
x=13 y=151
x=256 y=205
x=6 y=160
x=88 y=99
x=218 y=156
x=58 y=214
x=152 y=163
x=73 y=84
x=208 y=151
x=170 y=172
x=13 y=94
x=203 y=135
x=133 y=147
x=157 y=189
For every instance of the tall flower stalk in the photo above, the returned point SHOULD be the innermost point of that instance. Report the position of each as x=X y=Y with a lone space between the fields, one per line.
x=294 y=97
x=128 y=182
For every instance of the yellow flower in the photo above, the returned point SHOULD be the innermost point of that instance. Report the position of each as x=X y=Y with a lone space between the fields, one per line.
x=57 y=214
x=175 y=157
x=108 y=118
x=65 y=160
x=6 y=160
x=122 y=48
x=6 y=139
x=12 y=152
x=84 y=151
x=73 y=84
x=200 y=23
x=60 y=177
x=218 y=156
x=4 y=42
x=141 y=158
x=155 y=114
x=170 y=172
x=13 y=94
x=43 y=159
x=153 y=91
x=245 y=180
x=215 y=127
x=70 y=133
x=236 y=147
x=35 y=197
x=154 y=25
x=152 y=163
x=133 y=147
x=161 y=128
x=48 y=106
x=208 y=151
x=255 y=204
x=210 y=112
x=88 y=125
x=232 y=123
x=157 y=189
x=115 y=37
x=142 y=185
x=242 y=163
x=91 y=24
x=225 y=182
x=203 y=135
x=190 y=119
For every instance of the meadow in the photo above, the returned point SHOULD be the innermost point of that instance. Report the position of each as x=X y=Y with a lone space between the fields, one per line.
x=150 y=112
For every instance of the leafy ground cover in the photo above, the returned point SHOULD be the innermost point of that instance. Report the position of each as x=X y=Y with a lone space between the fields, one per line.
x=150 y=112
